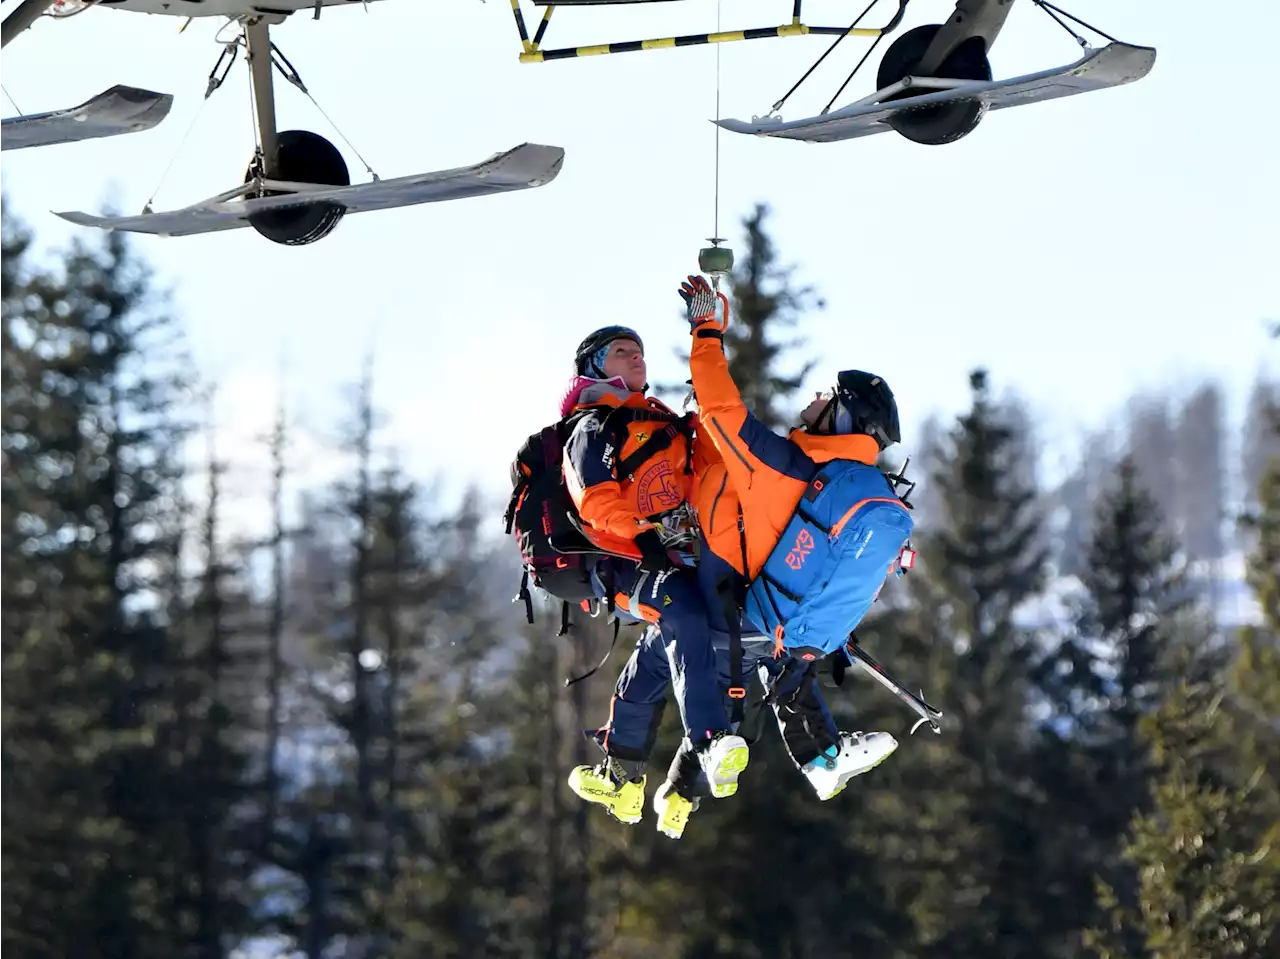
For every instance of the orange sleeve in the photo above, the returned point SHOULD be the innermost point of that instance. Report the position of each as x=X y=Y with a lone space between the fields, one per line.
x=749 y=448
x=721 y=413
x=606 y=509
x=593 y=485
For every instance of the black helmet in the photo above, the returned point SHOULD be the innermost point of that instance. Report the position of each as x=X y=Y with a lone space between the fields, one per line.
x=584 y=360
x=865 y=404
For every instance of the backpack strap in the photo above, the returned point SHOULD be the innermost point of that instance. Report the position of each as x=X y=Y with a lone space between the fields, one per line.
x=617 y=626
x=656 y=444
x=525 y=595
x=733 y=598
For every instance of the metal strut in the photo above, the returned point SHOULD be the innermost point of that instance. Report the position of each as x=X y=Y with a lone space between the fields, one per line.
x=1054 y=12
x=257 y=42
x=262 y=55
x=851 y=30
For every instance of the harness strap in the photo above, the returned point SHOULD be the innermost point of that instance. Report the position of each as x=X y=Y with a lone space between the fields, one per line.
x=733 y=600
x=619 y=418
x=737 y=692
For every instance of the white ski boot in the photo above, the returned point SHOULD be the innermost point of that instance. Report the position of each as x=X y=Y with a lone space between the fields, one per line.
x=859 y=752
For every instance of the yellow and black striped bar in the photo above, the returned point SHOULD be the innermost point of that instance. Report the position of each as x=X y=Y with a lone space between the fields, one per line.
x=532 y=54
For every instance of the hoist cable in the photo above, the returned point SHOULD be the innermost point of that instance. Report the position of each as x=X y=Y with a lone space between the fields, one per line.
x=716 y=228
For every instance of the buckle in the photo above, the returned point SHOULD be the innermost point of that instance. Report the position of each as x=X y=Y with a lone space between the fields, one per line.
x=737 y=692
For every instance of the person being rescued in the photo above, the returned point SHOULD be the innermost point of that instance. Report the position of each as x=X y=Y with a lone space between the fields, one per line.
x=748 y=484
x=629 y=486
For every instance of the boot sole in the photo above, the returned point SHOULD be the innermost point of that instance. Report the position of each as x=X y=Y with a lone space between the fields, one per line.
x=731 y=764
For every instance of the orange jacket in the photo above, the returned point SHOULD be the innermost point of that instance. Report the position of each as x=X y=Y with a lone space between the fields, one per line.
x=615 y=508
x=739 y=463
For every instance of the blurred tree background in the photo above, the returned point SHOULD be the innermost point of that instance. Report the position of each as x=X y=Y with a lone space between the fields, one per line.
x=339 y=739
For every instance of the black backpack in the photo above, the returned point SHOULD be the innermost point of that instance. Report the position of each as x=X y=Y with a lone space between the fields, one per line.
x=555 y=552
x=540 y=510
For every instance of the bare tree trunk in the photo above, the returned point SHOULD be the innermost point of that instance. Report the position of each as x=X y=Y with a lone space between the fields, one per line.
x=211 y=614
x=390 y=600
x=558 y=892
x=361 y=733
x=275 y=628
x=579 y=822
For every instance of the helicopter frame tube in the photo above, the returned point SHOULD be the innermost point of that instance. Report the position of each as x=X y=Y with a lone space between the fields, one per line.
x=532 y=51
x=934 y=84
x=27 y=13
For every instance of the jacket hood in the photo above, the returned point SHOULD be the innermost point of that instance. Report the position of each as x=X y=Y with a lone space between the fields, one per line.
x=586 y=390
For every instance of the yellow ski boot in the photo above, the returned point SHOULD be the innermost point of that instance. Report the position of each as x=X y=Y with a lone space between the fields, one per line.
x=673 y=810
x=606 y=785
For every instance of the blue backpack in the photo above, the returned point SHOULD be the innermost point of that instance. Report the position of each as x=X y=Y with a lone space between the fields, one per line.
x=831 y=560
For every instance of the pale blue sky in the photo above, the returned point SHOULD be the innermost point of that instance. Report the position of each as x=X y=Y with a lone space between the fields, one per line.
x=1082 y=249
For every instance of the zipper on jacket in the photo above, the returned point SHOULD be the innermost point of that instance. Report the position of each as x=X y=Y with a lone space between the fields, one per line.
x=715 y=503
x=736 y=452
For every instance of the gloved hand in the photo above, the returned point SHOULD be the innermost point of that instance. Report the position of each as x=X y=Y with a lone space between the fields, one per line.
x=653 y=552
x=700 y=301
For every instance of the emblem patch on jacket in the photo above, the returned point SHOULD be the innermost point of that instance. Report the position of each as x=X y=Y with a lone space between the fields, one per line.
x=657 y=490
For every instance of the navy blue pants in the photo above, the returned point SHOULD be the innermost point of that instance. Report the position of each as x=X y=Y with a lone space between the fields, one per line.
x=683 y=656
x=639 y=699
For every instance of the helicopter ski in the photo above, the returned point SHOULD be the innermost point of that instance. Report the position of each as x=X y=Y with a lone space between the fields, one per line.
x=297 y=186
x=121 y=109
x=1110 y=66
x=525 y=166
x=934 y=84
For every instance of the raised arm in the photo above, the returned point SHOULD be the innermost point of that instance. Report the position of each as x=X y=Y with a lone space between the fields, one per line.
x=745 y=443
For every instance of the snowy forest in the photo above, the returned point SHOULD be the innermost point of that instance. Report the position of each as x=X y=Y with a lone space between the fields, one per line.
x=341 y=739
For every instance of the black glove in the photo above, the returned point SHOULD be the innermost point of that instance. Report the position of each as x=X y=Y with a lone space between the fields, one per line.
x=653 y=552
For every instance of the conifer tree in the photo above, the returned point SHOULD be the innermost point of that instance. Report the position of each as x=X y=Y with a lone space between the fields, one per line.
x=1152 y=442
x=1259 y=442
x=1208 y=883
x=1205 y=848
x=35 y=657
x=1110 y=668
x=1135 y=587
x=1202 y=490
x=763 y=301
x=101 y=721
x=966 y=804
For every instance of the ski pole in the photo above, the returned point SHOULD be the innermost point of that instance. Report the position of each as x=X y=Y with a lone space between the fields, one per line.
x=927 y=713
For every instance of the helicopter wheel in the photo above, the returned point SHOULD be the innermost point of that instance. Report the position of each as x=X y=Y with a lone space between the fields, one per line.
x=303 y=157
x=945 y=122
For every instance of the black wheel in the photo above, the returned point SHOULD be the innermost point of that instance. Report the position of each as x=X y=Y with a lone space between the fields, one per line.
x=304 y=157
x=940 y=123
